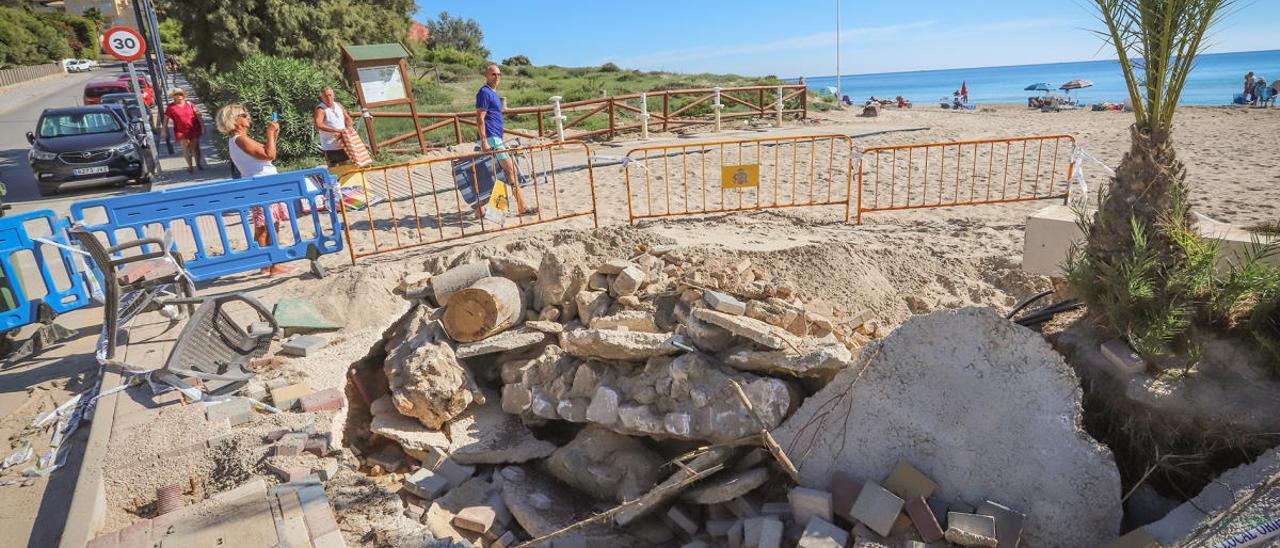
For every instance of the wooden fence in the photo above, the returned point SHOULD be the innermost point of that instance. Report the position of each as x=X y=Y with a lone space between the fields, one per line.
x=15 y=75
x=623 y=112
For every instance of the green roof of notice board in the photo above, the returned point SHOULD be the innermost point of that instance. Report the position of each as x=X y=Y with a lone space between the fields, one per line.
x=373 y=52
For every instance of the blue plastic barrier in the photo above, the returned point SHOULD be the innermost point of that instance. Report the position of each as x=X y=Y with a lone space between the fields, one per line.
x=308 y=194
x=18 y=304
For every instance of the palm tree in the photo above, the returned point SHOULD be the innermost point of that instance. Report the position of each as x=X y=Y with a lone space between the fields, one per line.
x=1138 y=235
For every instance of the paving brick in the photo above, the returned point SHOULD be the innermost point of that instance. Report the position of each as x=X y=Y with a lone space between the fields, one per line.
x=925 y=522
x=328 y=469
x=971 y=529
x=331 y=540
x=290 y=473
x=844 y=490
x=390 y=459
x=1009 y=523
x=329 y=399
x=908 y=482
x=235 y=411
x=820 y=533
x=809 y=503
x=1127 y=363
x=293 y=532
x=940 y=509
x=742 y=508
x=291 y=445
x=137 y=534
x=683 y=519
x=780 y=510
x=475 y=518
x=285 y=397
x=426 y=484
x=877 y=508
x=320 y=521
x=751 y=532
x=303 y=345
x=771 y=529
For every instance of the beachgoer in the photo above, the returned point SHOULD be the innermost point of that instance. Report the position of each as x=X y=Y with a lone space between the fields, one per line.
x=187 y=128
x=331 y=120
x=1248 y=87
x=254 y=159
x=489 y=124
x=902 y=103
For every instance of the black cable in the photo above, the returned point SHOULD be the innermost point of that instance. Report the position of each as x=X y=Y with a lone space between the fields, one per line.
x=1027 y=302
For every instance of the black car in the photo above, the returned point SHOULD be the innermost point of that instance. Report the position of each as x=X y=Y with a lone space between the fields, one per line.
x=92 y=144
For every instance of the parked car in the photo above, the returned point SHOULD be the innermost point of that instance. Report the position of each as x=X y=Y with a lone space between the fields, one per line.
x=91 y=145
x=76 y=65
x=93 y=91
x=129 y=102
x=148 y=92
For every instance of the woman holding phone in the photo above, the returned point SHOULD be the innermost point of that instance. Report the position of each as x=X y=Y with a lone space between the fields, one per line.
x=254 y=159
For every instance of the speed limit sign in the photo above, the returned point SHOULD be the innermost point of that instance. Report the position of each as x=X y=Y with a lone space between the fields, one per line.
x=123 y=43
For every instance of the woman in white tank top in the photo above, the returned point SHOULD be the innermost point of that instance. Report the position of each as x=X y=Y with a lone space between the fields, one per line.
x=253 y=159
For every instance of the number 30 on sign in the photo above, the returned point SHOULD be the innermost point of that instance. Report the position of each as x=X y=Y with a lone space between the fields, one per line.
x=123 y=43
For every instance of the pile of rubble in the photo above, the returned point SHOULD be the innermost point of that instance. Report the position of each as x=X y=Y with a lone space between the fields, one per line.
x=633 y=402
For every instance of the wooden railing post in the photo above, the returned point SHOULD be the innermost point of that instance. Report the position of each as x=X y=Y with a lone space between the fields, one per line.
x=541 y=132
x=762 y=105
x=457 y=129
x=666 y=109
x=613 y=130
x=804 y=103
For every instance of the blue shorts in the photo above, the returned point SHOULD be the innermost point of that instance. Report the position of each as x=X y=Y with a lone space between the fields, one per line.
x=495 y=143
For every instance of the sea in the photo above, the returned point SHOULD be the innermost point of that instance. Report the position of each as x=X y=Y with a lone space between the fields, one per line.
x=1215 y=79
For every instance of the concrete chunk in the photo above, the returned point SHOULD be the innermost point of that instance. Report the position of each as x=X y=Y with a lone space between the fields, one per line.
x=304 y=345
x=631 y=320
x=612 y=344
x=724 y=302
x=757 y=331
x=502 y=342
x=237 y=411
x=604 y=406
x=426 y=484
x=627 y=282
x=475 y=518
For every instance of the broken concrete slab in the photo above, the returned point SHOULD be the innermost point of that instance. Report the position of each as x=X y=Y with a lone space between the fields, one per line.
x=506 y=341
x=427 y=445
x=727 y=486
x=1249 y=493
x=614 y=344
x=972 y=530
x=426 y=380
x=757 y=331
x=1031 y=454
x=815 y=359
x=606 y=465
x=484 y=434
x=723 y=302
x=541 y=506
x=705 y=463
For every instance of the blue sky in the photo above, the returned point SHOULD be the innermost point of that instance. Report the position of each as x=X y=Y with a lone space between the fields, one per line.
x=789 y=39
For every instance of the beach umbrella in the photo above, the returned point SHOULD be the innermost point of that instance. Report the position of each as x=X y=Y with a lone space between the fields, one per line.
x=1076 y=84
x=1039 y=87
x=964 y=89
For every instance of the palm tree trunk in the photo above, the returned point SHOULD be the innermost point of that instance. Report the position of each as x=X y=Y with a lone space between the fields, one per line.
x=1148 y=181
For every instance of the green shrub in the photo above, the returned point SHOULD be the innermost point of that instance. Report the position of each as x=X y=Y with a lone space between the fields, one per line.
x=450 y=56
x=28 y=38
x=609 y=67
x=290 y=87
x=517 y=61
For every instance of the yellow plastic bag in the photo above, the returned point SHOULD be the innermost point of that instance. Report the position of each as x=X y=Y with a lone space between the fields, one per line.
x=499 y=204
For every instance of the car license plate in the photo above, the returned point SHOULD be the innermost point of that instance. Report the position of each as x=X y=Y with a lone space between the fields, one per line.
x=89 y=170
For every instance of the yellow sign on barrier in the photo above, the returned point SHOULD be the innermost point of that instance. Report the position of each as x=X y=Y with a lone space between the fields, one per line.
x=740 y=176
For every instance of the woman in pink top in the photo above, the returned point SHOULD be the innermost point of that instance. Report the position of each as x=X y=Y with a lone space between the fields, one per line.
x=187 y=128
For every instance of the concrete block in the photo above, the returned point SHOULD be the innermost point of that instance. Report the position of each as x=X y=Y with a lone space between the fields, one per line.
x=475 y=518
x=809 y=503
x=329 y=399
x=1009 y=523
x=971 y=530
x=317 y=445
x=939 y=509
x=331 y=540
x=288 y=474
x=507 y=540
x=742 y=508
x=780 y=510
x=925 y=522
x=771 y=529
x=819 y=533
x=426 y=484
x=328 y=469
x=720 y=527
x=604 y=406
x=1127 y=363
x=454 y=472
x=285 y=397
x=303 y=345
x=320 y=521
x=907 y=482
x=236 y=411
x=293 y=532
x=751 y=532
x=724 y=303
x=682 y=519
x=877 y=508
x=844 y=490
x=735 y=535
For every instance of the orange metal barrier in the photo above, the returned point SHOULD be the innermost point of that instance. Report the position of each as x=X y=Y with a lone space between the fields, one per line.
x=738 y=175
x=401 y=206
x=963 y=173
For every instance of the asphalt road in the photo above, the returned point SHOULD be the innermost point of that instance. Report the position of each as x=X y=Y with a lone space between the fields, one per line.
x=20 y=110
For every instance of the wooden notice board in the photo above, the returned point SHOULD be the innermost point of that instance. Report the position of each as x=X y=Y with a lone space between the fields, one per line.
x=381 y=79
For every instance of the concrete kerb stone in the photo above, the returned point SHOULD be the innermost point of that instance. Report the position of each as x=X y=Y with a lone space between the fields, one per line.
x=88 y=508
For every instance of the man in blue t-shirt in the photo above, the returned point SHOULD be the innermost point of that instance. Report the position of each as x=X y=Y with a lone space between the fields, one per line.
x=489 y=123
